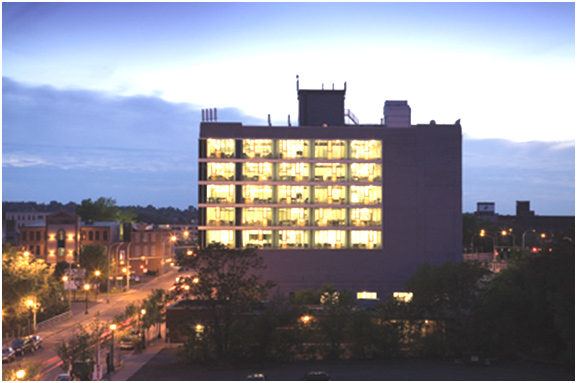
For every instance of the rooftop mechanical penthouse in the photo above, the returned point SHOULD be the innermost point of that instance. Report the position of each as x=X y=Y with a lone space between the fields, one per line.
x=358 y=206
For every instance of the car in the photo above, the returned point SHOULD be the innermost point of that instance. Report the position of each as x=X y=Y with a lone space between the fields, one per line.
x=36 y=341
x=258 y=376
x=317 y=375
x=126 y=343
x=22 y=345
x=63 y=377
x=8 y=354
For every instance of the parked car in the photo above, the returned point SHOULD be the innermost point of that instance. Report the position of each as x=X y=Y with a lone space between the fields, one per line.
x=36 y=341
x=317 y=375
x=22 y=346
x=256 y=377
x=63 y=377
x=8 y=354
x=126 y=343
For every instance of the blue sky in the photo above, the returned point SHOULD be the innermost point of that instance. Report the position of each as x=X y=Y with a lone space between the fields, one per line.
x=104 y=99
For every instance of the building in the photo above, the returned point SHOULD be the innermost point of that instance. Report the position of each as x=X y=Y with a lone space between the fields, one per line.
x=13 y=221
x=356 y=206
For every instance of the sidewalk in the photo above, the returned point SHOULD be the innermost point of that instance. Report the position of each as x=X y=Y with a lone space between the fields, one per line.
x=134 y=361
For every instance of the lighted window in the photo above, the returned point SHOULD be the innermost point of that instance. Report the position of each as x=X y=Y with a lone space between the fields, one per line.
x=220 y=216
x=366 y=217
x=257 y=238
x=330 y=239
x=220 y=193
x=257 y=216
x=366 y=195
x=293 y=217
x=330 y=172
x=290 y=239
x=293 y=149
x=366 y=150
x=366 y=239
x=216 y=148
x=257 y=148
x=220 y=171
x=367 y=172
x=403 y=296
x=226 y=237
x=330 y=217
x=293 y=171
x=257 y=171
x=288 y=194
x=257 y=193
x=366 y=295
x=331 y=194
x=330 y=149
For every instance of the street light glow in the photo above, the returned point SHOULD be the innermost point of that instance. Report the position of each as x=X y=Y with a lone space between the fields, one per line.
x=113 y=327
x=86 y=287
x=97 y=273
x=20 y=374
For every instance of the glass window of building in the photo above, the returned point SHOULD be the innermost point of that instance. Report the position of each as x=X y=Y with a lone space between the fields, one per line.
x=220 y=193
x=293 y=149
x=288 y=194
x=330 y=149
x=226 y=237
x=366 y=217
x=366 y=239
x=367 y=172
x=220 y=216
x=257 y=238
x=330 y=239
x=330 y=217
x=257 y=148
x=293 y=217
x=257 y=193
x=217 y=148
x=220 y=171
x=257 y=216
x=330 y=172
x=366 y=150
x=293 y=172
x=257 y=171
x=366 y=195
x=330 y=194
x=293 y=239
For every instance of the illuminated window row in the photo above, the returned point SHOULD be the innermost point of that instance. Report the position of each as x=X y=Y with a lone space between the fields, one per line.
x=294 y=217
x=296 y=172
x=293 y=149
x=291 y=239
x=289 y=194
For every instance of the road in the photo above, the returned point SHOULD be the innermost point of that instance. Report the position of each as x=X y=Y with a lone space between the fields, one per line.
x=63 y=331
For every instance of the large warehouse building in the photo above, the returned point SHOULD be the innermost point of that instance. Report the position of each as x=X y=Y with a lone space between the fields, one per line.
x=326 y=202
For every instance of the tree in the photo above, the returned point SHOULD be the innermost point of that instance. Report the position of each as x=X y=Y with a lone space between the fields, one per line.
x=228 y=287
x=104 y=209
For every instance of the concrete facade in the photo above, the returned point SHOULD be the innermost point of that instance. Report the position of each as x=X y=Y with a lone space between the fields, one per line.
x=420 y=201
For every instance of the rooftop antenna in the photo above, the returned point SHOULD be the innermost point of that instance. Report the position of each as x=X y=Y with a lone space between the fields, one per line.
x=297 y=82
x=269 y=123
x=289 y=120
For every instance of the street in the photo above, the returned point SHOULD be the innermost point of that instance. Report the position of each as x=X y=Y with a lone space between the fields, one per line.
x=63 y=330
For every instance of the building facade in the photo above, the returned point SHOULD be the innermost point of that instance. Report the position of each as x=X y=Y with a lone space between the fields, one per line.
x=356 y=206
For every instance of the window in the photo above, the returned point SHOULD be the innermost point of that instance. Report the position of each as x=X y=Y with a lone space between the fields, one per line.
x=257 y=171
x=216 y=148
x=290 y=239
x=257 y=216
x=105 y=235
x=24 y=236
x=90 y=235
x=289 y=149
x=226 y=237
x=366 y=239
x=366 y=150
x=367 y=172
x=257 y=193
x=330 y=172
x=366 y=217
x=257 y=148
x=38 y=236
x=288 y=194
x=97 y=235
x=366 y=195
x=293 y=172
x=220 y=193
x=330 y=217
x=331 y=194
x=293 y=217
x=220 y=216
x=366 y=295
x=330 y=239
x=330 y=149
x=257 y=238
x=220 y=171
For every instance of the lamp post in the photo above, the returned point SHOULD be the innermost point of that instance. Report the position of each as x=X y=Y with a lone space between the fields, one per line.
x=108 y=277
x=483 y=234
x=97 y=285
x=86 y=288
x=32 y=305
x=112 y=328
x=142 y=312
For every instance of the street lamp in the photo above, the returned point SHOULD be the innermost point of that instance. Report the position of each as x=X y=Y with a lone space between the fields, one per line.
x=112 y=328
x=32 y=305
x=126 y=270
x=483 y=234
x=97 y=285
x=108 y=278
x=142 y=312
x=86 y=288
x=20 y=374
